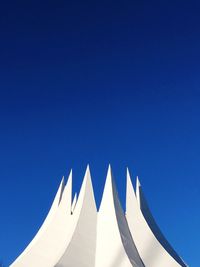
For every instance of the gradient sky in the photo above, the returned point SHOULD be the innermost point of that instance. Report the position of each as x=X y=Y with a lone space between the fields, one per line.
x=100 y=82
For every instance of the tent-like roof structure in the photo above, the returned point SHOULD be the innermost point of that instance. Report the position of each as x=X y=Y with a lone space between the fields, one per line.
x=75 y=234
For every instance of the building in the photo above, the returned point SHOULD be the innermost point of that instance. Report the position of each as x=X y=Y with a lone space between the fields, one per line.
x=75 y=234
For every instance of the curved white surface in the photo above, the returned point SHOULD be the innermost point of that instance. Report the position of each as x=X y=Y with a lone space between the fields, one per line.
x=114 y=243
x=45 y=252
x=153 y=226
x=149 y=248
x=74 y=234
x=74 y=203
x=81 y=250
x=41 y=231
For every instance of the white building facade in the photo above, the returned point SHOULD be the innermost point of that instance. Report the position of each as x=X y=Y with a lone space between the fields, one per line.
x=75 y=234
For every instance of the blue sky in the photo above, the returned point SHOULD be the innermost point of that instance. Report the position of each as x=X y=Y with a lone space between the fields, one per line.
x=100 y=82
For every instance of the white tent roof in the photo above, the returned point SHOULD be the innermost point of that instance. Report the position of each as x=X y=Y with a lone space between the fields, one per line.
x=75 y=234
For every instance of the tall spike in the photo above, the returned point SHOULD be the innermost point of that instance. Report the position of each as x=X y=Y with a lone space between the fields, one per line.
x=66 y=199
x=149 y=248
x=113 y=232
x=83 y=239
x=51 y=214
x=138 y=185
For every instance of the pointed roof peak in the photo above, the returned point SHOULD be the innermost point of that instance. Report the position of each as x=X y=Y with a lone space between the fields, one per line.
x=138 y=188
x=128 y=178
x=60 y=189
x=86 y=190
x=70 y=173
x=87 y=176
x=86 y=179
x=128 y=173
x=62 y=180
x=129 y=187
x=110 y=191
x=138 y=184
x=65 y=200
x=109 y=177
x=69 y=180
x=109 y=169
x=87 y=172
x=129 y=183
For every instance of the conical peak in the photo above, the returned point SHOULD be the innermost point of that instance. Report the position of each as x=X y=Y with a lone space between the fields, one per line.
x=109 y=176
x=143 y=227
x=87 y=177
x=86 y=190
x=138 y=184
x=62 y=180
x=109 y=192
x=59 y=193
x=70 y=174
x=129 y=185
x=138 y=188
x=117 y=230
x=65 y=201
x=109 y=168
x=128 y=177
x=87 y=168
x=130 y=193
x=69 y=180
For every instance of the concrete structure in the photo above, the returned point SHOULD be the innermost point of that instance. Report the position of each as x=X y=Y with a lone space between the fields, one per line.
x=75 y=234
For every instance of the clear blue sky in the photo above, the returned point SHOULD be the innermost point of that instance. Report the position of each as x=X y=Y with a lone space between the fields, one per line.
x=100 y=82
